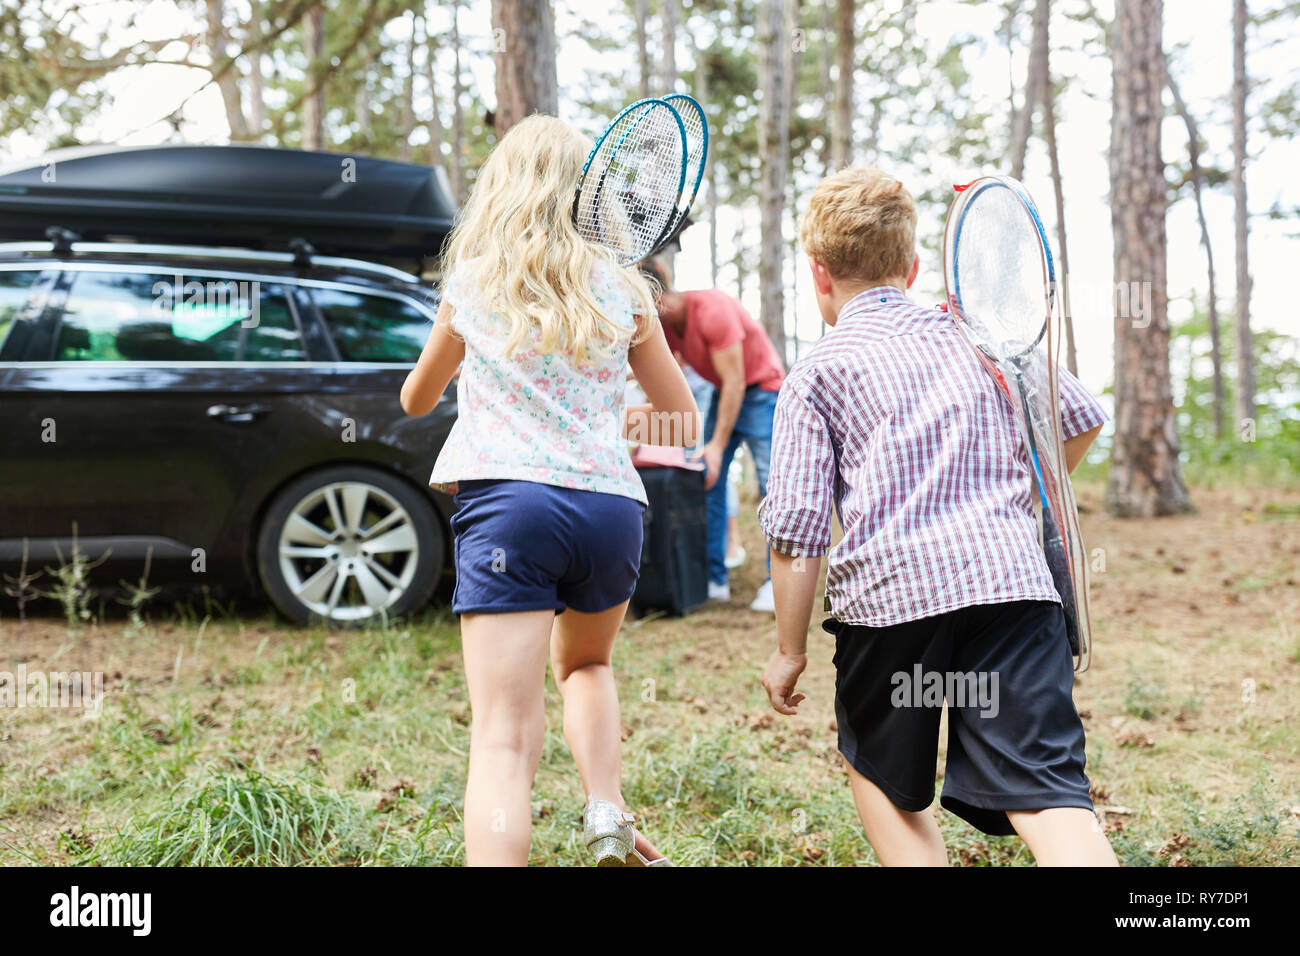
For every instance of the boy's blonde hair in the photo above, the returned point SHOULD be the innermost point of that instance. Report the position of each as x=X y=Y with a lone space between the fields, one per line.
x=861 y=224
x=517 y=234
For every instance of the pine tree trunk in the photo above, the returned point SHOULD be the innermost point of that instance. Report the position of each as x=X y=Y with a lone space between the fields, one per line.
x=1009 y=36
x=313 y=107
x=1047 y=97
x=873 y=129
x=1245 y=391
x=640 y=12
x=457 y=112
x=1145 y=478
x=670 y=45
x=1063 y=249
x=794 y=34
x=797 y=49
x=793 y=207
x=710 y=173
x=362 y=105
x=524 y=35
x=1198 y=183
x=669 y=84
x=408 y=95
x=842 y=128
x=1038 y=61
x=228 y=82
x=435 y=119
x=824 y=58
x=738 y=238
x=774 y=151
x=256 y=79
x=713 y=224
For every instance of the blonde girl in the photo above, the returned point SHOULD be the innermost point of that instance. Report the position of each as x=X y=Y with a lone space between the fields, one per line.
x=548 y=527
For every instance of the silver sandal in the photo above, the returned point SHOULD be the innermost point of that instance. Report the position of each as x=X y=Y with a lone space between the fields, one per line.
x=610 y=834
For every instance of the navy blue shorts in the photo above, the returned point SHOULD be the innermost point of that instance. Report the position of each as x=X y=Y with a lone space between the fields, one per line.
x=1015 y=741
x=524 y=546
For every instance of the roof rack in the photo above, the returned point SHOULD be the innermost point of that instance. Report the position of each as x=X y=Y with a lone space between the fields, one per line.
x=61 y=239
x=73 y=248
x=253 y=197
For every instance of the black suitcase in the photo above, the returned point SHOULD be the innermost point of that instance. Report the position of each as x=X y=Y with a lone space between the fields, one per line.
x=675 y=549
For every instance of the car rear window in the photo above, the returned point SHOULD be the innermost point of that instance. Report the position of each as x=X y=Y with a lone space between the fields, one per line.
x=373 y=328
x=151 y=317
x=14 y=286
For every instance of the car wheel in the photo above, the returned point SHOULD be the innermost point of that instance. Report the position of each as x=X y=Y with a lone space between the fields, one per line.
x=347 y=545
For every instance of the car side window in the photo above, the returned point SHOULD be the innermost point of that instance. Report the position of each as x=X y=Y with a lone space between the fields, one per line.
x=373 y=328
x=14 y=288
x=153 y=317
x=275 y=337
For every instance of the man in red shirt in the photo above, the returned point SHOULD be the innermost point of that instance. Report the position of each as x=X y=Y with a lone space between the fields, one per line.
x=720 y=340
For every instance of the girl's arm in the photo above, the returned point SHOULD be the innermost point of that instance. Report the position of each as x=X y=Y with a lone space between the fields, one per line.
x=442 y=355
x=671 y=418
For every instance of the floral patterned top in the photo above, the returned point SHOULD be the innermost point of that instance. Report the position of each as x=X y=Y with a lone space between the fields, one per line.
x=537 y=417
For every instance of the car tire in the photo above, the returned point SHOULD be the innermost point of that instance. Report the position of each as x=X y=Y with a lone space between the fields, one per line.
x=349 y=545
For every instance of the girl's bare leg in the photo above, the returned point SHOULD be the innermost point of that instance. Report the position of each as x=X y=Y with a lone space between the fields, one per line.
x=581 y=648
x=505 y=670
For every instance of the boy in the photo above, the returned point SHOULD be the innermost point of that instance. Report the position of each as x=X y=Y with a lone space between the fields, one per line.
x=939 y=576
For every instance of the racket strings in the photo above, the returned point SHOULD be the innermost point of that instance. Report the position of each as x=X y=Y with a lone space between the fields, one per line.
x=630 y=190
x=999 y=273
x=697 y=139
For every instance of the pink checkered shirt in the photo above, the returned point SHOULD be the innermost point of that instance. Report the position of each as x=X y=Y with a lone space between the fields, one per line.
x=892 y=419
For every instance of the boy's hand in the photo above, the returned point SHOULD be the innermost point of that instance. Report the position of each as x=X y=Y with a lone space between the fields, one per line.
x=780 y=676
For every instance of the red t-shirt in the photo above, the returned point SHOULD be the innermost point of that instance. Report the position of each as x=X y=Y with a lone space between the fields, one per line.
x=715 y=321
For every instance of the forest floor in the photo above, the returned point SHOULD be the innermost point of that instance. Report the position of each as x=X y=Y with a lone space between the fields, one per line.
x=231 y=740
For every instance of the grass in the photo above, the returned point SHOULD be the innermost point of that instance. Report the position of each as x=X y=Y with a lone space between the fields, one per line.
x=244 y=742
x=215 y=819
x=1143 y=698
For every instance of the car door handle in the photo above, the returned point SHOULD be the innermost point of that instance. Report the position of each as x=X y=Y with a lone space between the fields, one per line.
x=238 y=413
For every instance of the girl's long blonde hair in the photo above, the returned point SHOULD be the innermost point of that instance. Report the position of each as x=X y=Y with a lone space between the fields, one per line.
x=527 y=256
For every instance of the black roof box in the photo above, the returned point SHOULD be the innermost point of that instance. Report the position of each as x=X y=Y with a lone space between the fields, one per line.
x=255 y=197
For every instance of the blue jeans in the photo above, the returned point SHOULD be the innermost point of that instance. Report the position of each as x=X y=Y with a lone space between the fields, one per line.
x=704 y=395
x=704 y=398
x=753 y=427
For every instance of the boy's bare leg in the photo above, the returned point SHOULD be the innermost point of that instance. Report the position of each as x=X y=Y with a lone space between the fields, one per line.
x=899 y=837
x=1063 y=836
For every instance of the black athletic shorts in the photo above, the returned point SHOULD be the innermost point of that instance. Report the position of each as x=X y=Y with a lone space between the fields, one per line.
x=1015 y=741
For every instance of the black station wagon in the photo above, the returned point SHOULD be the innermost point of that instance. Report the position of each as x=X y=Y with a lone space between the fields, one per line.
x=223 y=398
